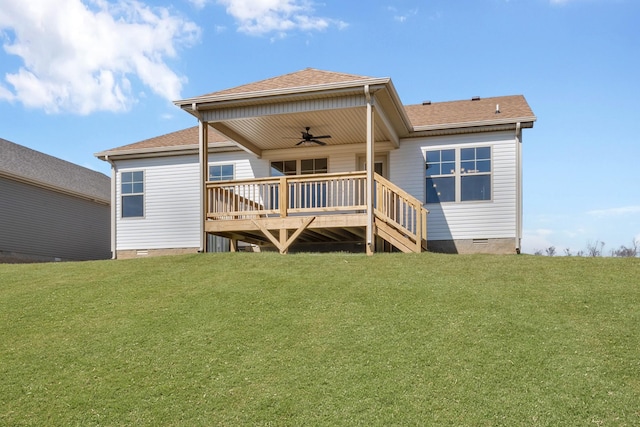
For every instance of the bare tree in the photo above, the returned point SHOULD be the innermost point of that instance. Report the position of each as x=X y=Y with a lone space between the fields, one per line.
x=551 y=251
x=627 y=251
x=567 y=252
x=595 y=249
x=538 y=252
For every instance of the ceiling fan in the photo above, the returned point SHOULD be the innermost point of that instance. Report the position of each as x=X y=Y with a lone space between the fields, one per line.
x=308 y=138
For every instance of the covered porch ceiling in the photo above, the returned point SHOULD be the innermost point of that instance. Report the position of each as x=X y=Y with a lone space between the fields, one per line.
x=274 y=118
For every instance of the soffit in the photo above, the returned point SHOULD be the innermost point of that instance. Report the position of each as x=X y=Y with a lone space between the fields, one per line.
x=272 y=114
x=281 y=131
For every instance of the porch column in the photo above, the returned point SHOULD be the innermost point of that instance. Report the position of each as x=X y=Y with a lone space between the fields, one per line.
x=203 y=154
x=371 y=245
x=518 y=139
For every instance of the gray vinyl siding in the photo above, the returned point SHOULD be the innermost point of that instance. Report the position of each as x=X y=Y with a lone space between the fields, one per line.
x=464 y=220
x=47 y=224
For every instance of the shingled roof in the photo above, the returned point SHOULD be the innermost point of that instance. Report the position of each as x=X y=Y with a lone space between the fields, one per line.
x=438 y=115
x=303 y=78
x=182 y=138
x=22 y=163
x=469 y=111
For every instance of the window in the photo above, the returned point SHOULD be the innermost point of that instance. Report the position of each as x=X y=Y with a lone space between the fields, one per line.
x=299 y=167
x=310 y=166
x=221 y=172
x=281 y=168
x=475 y=171
x=302 y=195
x=132 y=189
x=441 y=167
x=458 y=175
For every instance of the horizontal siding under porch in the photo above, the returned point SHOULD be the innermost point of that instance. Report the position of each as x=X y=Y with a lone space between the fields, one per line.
x=316 y=209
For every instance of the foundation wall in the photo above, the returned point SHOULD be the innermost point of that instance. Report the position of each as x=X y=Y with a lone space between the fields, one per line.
x=141 y=253
x=473 y=246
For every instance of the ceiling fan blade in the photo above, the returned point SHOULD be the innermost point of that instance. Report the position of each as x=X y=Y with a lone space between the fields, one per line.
x=318 y=142
x=321 y=136
x=301 y=142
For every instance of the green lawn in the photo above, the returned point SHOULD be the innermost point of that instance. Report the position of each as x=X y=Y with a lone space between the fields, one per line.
x=331 y=339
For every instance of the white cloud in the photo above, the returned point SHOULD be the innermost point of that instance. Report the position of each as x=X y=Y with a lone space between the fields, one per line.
x=80 y=55
x=257 y=17
x=626 y=210
x=402 y=17
x=199 y=4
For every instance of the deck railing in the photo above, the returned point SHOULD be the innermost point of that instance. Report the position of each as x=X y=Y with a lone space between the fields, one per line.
x=401 y=210
x=302 y=194
x=317 y=194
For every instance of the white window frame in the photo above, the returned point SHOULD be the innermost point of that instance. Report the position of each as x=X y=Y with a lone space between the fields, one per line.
x=299 y=170
x=221 y=165
x=124 y=195
x=458 y=174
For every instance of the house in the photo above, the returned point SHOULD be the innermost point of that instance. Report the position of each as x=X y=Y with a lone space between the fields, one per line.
x=50 y=209
x=316 y=160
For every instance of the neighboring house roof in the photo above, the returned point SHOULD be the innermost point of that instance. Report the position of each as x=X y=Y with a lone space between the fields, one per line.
x=24 y=164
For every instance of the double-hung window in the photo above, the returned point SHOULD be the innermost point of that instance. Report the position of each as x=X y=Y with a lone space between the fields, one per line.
x=441 y=181
x=221 y=172
x=132 y=192
x=475 y=173
x=458 y=175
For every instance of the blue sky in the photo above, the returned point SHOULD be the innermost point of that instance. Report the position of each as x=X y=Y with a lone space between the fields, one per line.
x=81 y=76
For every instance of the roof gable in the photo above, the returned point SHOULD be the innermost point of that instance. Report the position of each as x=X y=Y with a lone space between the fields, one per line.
x=303 y=78
x=19 y=162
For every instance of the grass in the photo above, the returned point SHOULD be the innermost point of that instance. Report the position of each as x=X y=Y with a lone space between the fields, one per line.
x=331 y=339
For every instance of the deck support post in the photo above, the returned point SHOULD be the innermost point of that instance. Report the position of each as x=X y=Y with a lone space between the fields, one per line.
x=203 y=138
x=370 y=238
x=284 y=235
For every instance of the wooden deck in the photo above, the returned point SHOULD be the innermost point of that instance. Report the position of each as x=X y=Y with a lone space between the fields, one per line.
x=313 y=209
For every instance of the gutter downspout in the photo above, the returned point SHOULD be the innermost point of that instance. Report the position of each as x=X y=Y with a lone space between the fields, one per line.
x=113 y=207
x=370 y=248
x=519 y=205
